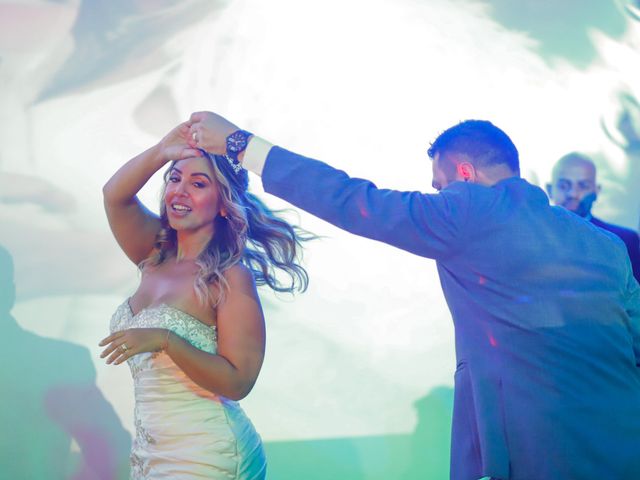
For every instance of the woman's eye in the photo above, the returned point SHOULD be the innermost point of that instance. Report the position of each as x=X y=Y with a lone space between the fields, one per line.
x=174 y=179
x=198 y=184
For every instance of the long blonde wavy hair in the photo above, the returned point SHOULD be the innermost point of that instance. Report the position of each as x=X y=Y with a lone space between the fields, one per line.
x=250 y=234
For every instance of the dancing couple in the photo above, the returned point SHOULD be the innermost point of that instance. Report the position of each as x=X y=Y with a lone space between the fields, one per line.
x=545 y=306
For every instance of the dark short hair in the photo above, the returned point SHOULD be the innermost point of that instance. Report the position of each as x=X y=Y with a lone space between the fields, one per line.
x=481 y=141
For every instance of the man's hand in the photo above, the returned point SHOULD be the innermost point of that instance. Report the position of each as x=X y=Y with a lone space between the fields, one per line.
x=209 y=131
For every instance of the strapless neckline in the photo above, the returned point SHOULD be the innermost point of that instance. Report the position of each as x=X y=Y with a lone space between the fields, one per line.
x=164 y=305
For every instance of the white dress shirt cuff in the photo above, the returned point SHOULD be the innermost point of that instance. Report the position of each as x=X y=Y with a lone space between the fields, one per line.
x=255 y=155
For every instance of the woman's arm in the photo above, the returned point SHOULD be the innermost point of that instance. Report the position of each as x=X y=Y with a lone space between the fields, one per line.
x=231 y=372
x=133 y=225
x=241 y=342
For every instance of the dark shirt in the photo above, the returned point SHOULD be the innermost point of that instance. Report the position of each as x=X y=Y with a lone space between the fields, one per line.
x=630 y=239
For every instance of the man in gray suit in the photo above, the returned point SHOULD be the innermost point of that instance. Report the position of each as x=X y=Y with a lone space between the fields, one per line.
x=545 y=307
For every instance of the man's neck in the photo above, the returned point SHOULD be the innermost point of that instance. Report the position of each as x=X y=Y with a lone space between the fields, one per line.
x=489 y=176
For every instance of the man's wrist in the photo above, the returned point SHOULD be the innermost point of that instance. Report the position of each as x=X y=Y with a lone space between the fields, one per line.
x=255 y=155
x=241 y=155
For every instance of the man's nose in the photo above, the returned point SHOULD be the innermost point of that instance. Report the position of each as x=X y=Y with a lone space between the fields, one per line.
x=571 y=191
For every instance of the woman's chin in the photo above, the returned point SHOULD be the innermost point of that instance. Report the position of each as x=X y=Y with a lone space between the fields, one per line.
x=184 y=225
x=178 y=224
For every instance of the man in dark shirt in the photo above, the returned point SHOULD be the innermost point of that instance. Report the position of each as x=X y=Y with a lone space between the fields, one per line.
x=574 y=187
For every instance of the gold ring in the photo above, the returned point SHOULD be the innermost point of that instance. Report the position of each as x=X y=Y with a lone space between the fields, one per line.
x=124 y=347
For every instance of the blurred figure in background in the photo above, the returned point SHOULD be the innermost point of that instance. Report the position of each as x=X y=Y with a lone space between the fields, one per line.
x=574 y=187
x=49 y=400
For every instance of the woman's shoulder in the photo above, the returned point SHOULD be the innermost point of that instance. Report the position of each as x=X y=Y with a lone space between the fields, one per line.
x=240 y=279
x=239 y=274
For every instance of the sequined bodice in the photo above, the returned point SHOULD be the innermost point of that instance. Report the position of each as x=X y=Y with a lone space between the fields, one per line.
x=151 y=369
x=165 y=316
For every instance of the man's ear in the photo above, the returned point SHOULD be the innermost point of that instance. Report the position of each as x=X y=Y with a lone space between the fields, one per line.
x=466 y=171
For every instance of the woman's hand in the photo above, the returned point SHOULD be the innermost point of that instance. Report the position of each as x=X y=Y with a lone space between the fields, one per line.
x=127 y=343
x=178 y=144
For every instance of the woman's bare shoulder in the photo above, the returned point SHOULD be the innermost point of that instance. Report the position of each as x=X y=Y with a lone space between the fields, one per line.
x=240 y=280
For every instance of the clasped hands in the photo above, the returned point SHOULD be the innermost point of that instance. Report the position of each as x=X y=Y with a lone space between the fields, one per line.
x=204 y=130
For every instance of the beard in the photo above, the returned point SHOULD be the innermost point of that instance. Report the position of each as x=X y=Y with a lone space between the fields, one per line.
x=583 y=207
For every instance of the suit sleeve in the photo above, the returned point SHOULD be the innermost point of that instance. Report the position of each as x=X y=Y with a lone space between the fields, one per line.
x=426 y=225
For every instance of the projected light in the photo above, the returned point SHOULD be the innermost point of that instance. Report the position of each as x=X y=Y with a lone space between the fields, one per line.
x=357 y=379
x=632 y=7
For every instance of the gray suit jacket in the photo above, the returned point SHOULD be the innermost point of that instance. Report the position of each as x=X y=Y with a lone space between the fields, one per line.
x=546 y=313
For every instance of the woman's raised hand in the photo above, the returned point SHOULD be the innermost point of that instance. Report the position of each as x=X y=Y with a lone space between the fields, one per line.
x=176 y=144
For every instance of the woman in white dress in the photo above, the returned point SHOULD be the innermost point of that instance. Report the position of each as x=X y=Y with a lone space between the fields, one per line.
x=193 y=333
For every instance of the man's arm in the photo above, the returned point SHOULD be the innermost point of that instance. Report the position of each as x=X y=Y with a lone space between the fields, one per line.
x=427 y=225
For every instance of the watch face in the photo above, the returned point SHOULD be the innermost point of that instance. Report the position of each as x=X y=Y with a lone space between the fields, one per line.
x=237 y=141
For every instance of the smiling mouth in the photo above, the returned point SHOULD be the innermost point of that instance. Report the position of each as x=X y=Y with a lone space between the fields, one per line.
x=179 y=208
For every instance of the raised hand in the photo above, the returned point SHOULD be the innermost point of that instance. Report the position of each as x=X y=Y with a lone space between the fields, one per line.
x=124 y=344
x=209 y=131
x=176 y=144
x=629 y=121
x=624 y=129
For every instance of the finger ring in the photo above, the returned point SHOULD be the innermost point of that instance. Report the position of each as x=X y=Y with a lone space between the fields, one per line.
x=124 y=347
x=194 y=135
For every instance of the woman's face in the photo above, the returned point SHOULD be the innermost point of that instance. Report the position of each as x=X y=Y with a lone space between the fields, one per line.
x=192 y=196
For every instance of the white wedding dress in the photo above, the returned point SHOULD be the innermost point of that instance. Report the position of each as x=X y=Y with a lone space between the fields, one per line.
x=182 y=430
